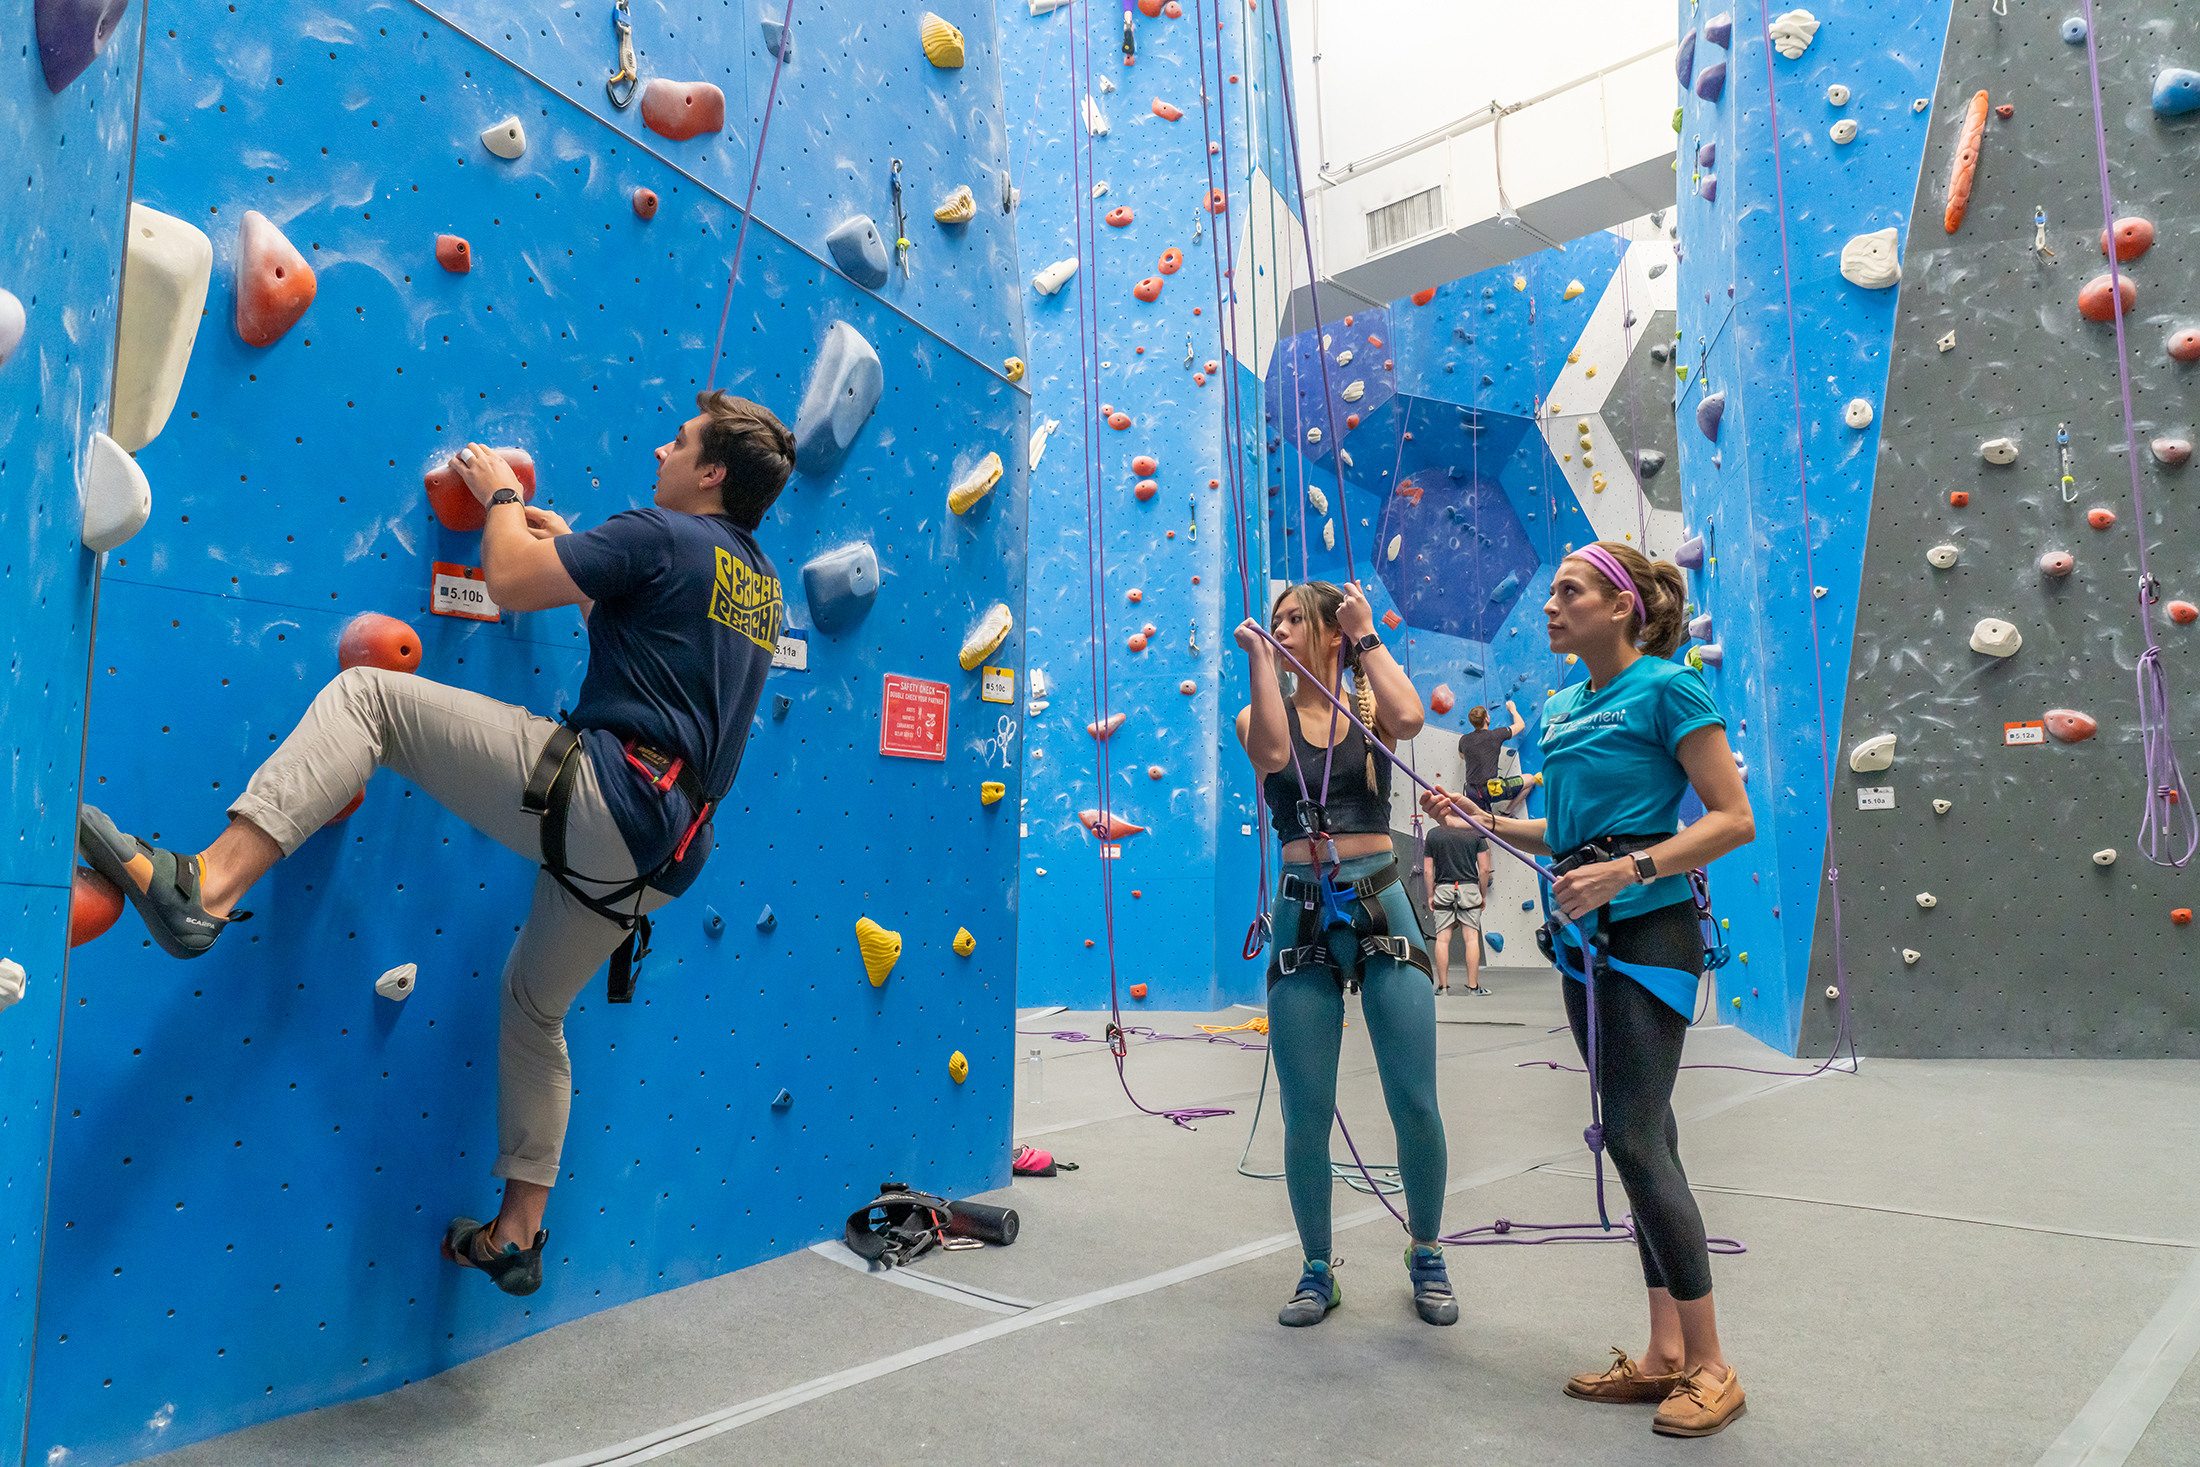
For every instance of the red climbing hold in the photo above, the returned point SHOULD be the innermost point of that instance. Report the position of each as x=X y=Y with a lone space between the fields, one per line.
x=274 y=282
x=1149 y=8
x=682 y=110
x=1145 y=466
x=1147 y=629
x=2184 y=613
x=1119 y=421
x=1423 y=297
x=2182 y=916
x=1119 y=216
x=1154 y=771
x=1175 y=11
x=1393 y=620
x=1959 y=498
x=346 y=813
x=1214 y=367
x=2185 y=345
x=1146 y=489
x=2095 y=304
x=1441 y=700
x=1137 y=642
x=1148 y=289
x=645 y=202
x=1374 y=340
x=1114 y=827
x=1172 y=260
x=2134 y=237
x=1138 y=990
x=1216 y=199
x=454 y=254
x=94 y=904
x=1199 y=379
x=1134 y=596
x=1389 y=365
x=2100 y=519
x=1166 y=112
x=1352 y=420
x=2005 y=111
x=375 y=640
x=2070 y=726
x=1088 y=942
x=454 y=504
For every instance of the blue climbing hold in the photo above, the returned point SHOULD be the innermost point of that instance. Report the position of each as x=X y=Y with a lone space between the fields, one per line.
x=1707 y=155
x=2073 y=30
x=776 y=41
x=1684 y=63
x=1708 y=413
x=1496 y=940
x=72 y=33
x=1719 y=31
x=843 y=388
x=1506 y=589
x=1711 y=81
x=2177 y=91
x=783 y=1100
x=713 y=924
x=840 y=586
x=1471 y=669
x=765 y=921
x=781 y=706
x=1527 y=906
x=859 y=252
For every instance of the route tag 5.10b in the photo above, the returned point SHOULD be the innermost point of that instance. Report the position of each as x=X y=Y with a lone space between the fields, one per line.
x=462 y=590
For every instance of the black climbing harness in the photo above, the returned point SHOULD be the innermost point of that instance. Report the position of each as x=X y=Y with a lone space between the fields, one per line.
x=549 y=794
x=1312 y=907
x=1611 y=848
x=901 y=1225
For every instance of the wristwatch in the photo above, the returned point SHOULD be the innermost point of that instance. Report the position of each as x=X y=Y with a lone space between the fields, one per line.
x=1367 y=644
x=1645 y=869
x=506 y=495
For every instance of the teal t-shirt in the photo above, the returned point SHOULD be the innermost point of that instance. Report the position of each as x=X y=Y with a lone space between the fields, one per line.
x=1609 y=765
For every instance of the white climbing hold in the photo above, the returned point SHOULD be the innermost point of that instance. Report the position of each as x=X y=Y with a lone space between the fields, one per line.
x=165 y=278
x=1054 y=276
x=1354 y=391
x=1313 y=435
x=2105 y=857
x=1921 y=104
x=117 y=500
x=1998 y=450
x=1039 y=436
x=1858 y=414
x=13 y=980
x=11 y=325
x=1096 y=121
x=1873 y=261
x=506 y=139
x=1837 y=95
x=1319 y=500
x=1344 y=458
x=1329 y=534
x=1947 y=343
x=1942 y=807
x=1344 y=358
x=1873 y=754
x=397 y=983
x=1832 y=992
x=1793 y=32
x=1927 y=900
x=1843 y=131
x=1099 y=188
x=1911 y=955
x=1996 y=638
x=1940 y=557
x=1397 y=543
x=1818 y=593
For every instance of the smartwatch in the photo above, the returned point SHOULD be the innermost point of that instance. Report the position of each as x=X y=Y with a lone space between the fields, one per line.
x=1645 y=869
x=506 y=495
x=1367 y=644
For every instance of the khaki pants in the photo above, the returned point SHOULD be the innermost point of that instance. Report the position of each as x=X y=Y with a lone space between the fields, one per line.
x=472 y=755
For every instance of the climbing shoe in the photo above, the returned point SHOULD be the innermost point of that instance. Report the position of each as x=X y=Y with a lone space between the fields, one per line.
x=162 y=885
x=516 y=1270
x=1701 y=1404
x=1432 y=1298
x=1623 y=1384
x=1319 y=1292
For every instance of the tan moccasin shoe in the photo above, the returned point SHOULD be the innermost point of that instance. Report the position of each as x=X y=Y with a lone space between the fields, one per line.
x=1700 y=1405
x=1623 y=1384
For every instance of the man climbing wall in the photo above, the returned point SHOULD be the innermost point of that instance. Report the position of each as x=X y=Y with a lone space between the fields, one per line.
x=683 y=611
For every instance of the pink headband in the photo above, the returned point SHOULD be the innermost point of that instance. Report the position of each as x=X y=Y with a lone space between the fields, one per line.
x=1605 y=561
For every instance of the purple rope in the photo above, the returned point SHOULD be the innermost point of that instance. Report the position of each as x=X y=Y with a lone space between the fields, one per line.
x=2168 y=812
x=748 y=204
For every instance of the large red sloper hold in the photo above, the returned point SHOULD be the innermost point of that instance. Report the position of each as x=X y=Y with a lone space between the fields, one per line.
x=454 y=504
x=1966 y=169
x=274 y=282
x=682 y=110
x=94 y=904
x=1115 y=827
x=375 y=640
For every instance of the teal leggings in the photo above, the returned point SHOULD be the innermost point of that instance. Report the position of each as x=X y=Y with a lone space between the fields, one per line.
x=1305 y=1033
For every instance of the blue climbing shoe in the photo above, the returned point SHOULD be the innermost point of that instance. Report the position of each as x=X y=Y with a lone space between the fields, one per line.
x=1431 y=1284
x=164 y=886
x=1319 y=1292
x=516 y=1270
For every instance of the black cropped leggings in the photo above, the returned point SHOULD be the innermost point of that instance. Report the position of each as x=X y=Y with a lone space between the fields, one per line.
x=1639 y=1055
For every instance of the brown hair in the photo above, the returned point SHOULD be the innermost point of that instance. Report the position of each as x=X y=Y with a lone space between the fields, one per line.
x=1479 y=716
x=1318 y=602
x=754 y=448
x=1660 y=622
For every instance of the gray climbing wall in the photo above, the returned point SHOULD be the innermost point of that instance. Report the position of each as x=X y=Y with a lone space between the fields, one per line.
x=2032 y=948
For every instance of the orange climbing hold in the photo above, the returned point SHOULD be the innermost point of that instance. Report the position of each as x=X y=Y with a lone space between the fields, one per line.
x=1166 y=112
x=1175 y=11
x=1145 y=465
x=1137 y=642
x=1423 y=297
x=2100 y=519
x=1149 y=8
x=2134 y=237
x=274 y=282
x=1148 y=289
x=1172 y=260
x=1967 y=150
x=1153 y=771
x=1199 y=379
x=1119 y=216
x=2070 y=726
x=1113 y=827
x=454 y=254
x=375 y=640
x=1410 y=493
x=2096 y=300
x=1441 y=700
x=94 y=904
x=2184 y=346
x=1960 y=498
x=347 y=812
x=1393 y=620
x=682 y=110
x=1352 y=420
x=1146 y=489
x=454 y=504
x=1374 y=340
x=645 y=202
x=1216 y=201
x=1119 y=421
x=2182 y=916
x=2184 y=613
x=1138 y=990
x=1134 y=596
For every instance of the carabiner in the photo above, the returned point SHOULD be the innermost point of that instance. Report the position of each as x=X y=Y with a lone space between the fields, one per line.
x=628 y=74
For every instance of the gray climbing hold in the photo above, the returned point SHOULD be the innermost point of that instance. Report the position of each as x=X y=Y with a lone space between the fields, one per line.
x=1719 y=30
x=1648 y=462
x=1657 y=270
x=72 y=33
x=1708 y=414
x=1707 y=155
x=840 y=586
x=2073 y=30
x=1684 y=62
x=776 y=40
x=1661 y=353
x=1711 y=81
x=1506 y=589
x=2177 y=91
x=859 y=251
x=844 y=387
x=765 y=922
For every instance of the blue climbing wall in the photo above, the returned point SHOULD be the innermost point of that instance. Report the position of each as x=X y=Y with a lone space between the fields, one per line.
x=1165 y=366
x=1744 y=260
x=258 y=1155
x=64 y=265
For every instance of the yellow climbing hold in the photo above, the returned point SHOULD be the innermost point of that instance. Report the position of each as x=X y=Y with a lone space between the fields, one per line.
x=1573 y=288
x=975 y=485
x=943 y=44
x=1013 y=369
x=991 y=791
x=959 y=207
x=992 y=630
x=1573 y=356
x=1590 y=372
x=881 y=950
x=958 y=1068
x=1520 y=282
x=965 y=944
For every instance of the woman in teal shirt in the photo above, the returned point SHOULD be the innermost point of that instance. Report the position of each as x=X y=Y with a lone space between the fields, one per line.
x=1619 y=751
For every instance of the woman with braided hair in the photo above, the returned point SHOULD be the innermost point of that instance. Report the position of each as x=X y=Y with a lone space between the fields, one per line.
x=1343 y=921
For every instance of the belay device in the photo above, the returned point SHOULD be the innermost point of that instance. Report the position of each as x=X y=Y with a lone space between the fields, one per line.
x=902 y=1225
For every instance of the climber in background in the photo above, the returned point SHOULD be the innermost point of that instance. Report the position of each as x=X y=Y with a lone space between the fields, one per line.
x=1455 y=865
x=1481 y=747
x=1343 y=921
x=683 y=611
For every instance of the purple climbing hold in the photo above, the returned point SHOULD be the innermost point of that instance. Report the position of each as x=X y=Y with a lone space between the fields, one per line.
x=1719 y=31
x=1684 y=63
x=1707 y=188
x=1708 y=413
x=1690 y=554
x=72 y=33
x=1700 y=628
x=1710 y=654
x=1711 y=81
x=1707 y=155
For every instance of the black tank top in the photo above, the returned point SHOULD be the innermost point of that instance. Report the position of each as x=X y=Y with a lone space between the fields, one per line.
x=1353 y=808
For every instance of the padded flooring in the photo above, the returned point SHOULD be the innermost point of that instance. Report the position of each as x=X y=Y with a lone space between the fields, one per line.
x=1946 y=1262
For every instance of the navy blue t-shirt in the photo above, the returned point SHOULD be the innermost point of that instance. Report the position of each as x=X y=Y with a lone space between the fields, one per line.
x=687 y=615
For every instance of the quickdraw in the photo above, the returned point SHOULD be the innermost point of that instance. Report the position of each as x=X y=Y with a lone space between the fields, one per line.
x=628 y=73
